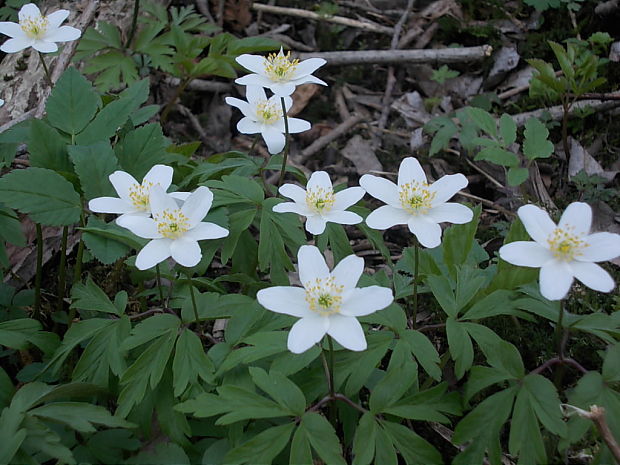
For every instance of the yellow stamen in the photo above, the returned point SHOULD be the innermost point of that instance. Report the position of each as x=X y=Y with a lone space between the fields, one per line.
x=323 y=296
x=35 y=27
x=320 y=200
x=415 y=197
x=268 y=112
x=565 y=244
x=172 y=223
x=139 y=195
x=280 y=67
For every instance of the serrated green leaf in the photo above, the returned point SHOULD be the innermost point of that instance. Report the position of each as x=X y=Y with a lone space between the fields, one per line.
x=141 y=149
x=536 y=143
x=525 y=440
x=364 y=440
x=89 y=296
x=47 y=148
x=114 y=67
x=424 y=351
x=611 y=364
x=263 y=447
x=498 y=156
x=11 y=227
x=323 y=438
x=413 y=448
x=164 y=453
x=481 y=377
x=507 y=129
x=280 y=388
x=545 y=403
x=190 y=362
x=429 y=405
x=238 y=221
x=392 y=386
x=93 y=165
x=484 y=120
x=243 y=404
x=563 y=59
x=17 y=333
x=107 y=241
x=301 y=454
x=384 y=448
x=43 y=194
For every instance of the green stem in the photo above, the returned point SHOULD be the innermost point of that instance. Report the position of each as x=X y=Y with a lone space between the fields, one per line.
x=170 y=104
x=286 y=144
x=161 y=292
x=48 y=76
x=559 y=331
x=194 y=306
x=331 y=366
x=134 y=23
x=77 y=272
x=39 y=273
x=62 y=271
x=416 y=267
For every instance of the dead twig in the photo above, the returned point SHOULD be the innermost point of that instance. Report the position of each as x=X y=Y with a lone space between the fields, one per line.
x=557 y=112
x=331 y=136
x=203 y=8
x=597 y=415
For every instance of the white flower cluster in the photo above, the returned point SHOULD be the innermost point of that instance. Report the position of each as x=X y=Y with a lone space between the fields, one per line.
x=172 y=221
x=266 y=116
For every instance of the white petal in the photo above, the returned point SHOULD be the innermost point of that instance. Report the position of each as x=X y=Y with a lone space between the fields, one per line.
x=319 y=179
x=122 y=183
x=347 y=197
x=160 y=201
x=593 y=276
x=315 y=224
x=410 y=170
x=121 y=219
x=308 y=66
x=206 y=230
x=308 y=80
x=387 y=216
x=311 y=265
x=241 y=105
x=525 y=253
x=253 y=63
x=537 y=222
x=44 y=47
x=601 y=246
x=296 y=125
x=11 y=29
x=247 y=125
x=197 y=205
x=160 y=174
x=153 y=253
x=348 y=272
x=381 y=188
x=347 y=331
x=185 y=251
x=255 y=95
x=427 y=231
x=141 y=226
x=282 y=89
x=63 y=34
x=56 y=18
x=305 y=333
x=277 y=99
x=274 y=139
x=294 y=192
x=446 y=186
x=556 y=278
x=109 y=205
x=254 y=80
x=343 y=217
x=578 y=217
x=451 y=213
x=16 y=45
x=292 y=207
x=366 y=300
x=285 y=299
x=30 y=10
x=181 y=196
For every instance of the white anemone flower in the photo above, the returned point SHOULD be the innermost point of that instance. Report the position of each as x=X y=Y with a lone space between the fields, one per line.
x=175 y=231
x=265 y=116
x=279 y=73
x=37 y=31
x=328 y=303
x=1 y=102
x=564 y=251
x=319 y=204
x=133 y=196
x=416 y=203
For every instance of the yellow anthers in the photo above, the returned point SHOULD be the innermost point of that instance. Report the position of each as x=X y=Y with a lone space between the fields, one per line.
x=34 y=27
x=172 y=223
x=139 y=195
x=565 y=245
x=320 y=200
x=268 y=112
x=323 y=296
x=415 y=197
x=280 y=67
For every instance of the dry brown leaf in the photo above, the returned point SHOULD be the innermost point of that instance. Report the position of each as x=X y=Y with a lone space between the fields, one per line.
x=581 y=160
x=360 y=151
x=302 y=97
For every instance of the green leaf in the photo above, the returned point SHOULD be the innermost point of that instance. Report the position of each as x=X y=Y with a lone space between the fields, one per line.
x=139 y=150
x=461 y=348
x=165 y=453
x=506 y=358
x=281 y=389
x=47 y=148
x=93 y=165
x=484 y=120
x=79 y=416
x=323 y=438
x=507 y=129
x=545 y=402
x=243 y=404
x=413 y=448
x=89 y=296
x=536 y=143
x=115 y=114
x=480 y=378
x=424 y=351
x=11 y=227
x=338 y=241
x=392 y=386
x=72 y=103
x=498 y=156
x=611 y=364
x=190 y=362
x=16 y=334
x=107 y=241
x=263 y=447
x=563 y=60
x=525 y=440
x=429 y=405
x=301 y=454
x=43 y=194
x=459 y=239
x=238 y=222
x=442 y=290
x=384 y=448
x=364 y=440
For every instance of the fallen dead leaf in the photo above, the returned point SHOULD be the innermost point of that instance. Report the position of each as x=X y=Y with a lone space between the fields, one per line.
x=360 y=151
x=302 y=96
x=581 y=160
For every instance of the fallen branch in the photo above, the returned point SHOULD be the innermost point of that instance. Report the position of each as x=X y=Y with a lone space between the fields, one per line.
x=440 y=55
x=557 y=112
x=331 y=136
x=280 y=10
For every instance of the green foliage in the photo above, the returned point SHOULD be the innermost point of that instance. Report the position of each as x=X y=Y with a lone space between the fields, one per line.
x=442 y=74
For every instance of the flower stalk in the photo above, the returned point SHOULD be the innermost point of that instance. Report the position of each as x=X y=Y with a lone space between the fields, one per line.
x=48 y=76
x=62 y=269
x=39 y=273
x=286 y=143
x=416 y=267
x=134 y=23
x=159 y=287
x=193 y=297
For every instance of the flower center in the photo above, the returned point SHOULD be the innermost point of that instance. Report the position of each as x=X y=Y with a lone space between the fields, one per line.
x=415 y=197
x=139 y=195
x=320 y=200
x=268 y=112
x=172 y=223
x=280 y=67
x=323 y=296
x=565 y=245
x=35 y=27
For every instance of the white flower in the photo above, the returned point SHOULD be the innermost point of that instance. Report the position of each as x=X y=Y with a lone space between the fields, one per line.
x=37 y=31
x=414 y=202
x=278 y=72
x=265 y=116
x=328 y=303
x=175 y=230
x=319 y=204
x=1 y=102
x=134 y=196
x=565 y=251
